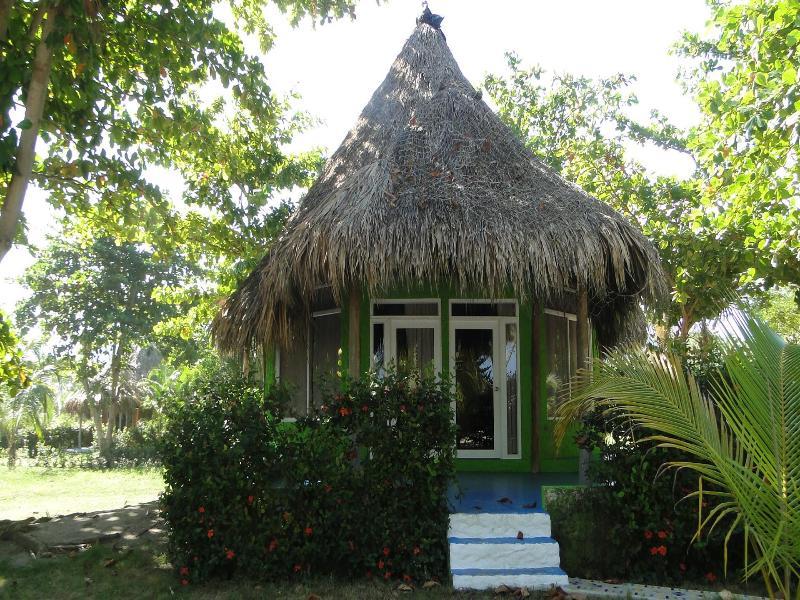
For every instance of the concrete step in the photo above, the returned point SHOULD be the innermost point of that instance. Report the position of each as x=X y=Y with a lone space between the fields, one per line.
x=482 y=579
x=503 y=553
x=499 y=525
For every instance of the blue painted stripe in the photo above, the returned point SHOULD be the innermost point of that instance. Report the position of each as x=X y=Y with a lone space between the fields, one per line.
x=526 y=571
x=501 y=540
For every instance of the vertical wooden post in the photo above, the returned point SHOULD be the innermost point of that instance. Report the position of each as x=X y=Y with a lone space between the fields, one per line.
x=354 y=331
x=536 y=383
x=582 y=333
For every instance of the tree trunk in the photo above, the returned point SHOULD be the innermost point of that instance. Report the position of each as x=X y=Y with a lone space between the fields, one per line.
x=26 y=148
x=5 y=15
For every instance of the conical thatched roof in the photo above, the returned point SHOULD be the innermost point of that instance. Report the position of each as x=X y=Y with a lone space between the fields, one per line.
x=430 y=186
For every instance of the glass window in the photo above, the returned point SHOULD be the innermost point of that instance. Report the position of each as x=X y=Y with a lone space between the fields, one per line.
x=414 y=348
x=294 y=375
x=474 y=375
x=378 y=349
x=511 y=389
x=325 y=344
x=401 y=309
x=562 y=356
x=483 y=309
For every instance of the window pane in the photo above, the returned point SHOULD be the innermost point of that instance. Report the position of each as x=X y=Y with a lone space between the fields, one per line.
x=414 y=347
x=293 y=374
x=561 y=357
x=474 y=376
x=326 y=341
x=399 y=309
x=483 y=309
x=378 y=352
x=511 y=388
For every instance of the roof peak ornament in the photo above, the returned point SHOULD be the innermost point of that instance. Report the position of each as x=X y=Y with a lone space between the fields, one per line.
x=429 y=18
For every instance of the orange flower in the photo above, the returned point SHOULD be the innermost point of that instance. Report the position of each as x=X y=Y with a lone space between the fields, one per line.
x=710 y=577
x=662 y=550
x=273 y=545
x=230 y=554
x=648 y=534
x=380 y=564
x=201 y=510
x=250 y=499
x=387 y=575
x=308 y=531
x=184 y=571
x=386 y=551
x=210 y=533
x=407 y=578
x=653 y=551
x=662 y=535
x=417 y=551
x=184 y=582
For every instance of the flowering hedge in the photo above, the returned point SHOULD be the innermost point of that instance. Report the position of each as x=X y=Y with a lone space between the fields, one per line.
x=357 y=489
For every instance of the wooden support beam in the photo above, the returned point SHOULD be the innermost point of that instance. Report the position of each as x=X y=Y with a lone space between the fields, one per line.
x=536 y=383
x=354 y=331
x=582 y=328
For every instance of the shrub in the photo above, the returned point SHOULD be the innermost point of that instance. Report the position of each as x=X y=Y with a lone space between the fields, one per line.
x=138 y=446
x=359 y=488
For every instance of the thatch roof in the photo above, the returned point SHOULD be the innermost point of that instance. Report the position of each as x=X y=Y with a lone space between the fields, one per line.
x=430 y=186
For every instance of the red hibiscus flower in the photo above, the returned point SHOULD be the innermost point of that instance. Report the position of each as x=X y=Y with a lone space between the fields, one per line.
x=364 y=408
x=201 y=510
x=273 y=545
x=297 y=568
x=184 y=571
x=662 y=550
x=308 y=531
x=387 y=575
x=210 y=533
x=230 y=554
x=416 y=551
x=653 y=551
x=250 y=499
x=386 y=551
x=328 y=487
x=648 y=534
x=407 y=578
x=662 y=535
x=184 y=582
x=380 y=564
x=710 y=577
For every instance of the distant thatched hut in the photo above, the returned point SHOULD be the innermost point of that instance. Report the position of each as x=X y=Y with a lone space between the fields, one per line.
x=433 y=236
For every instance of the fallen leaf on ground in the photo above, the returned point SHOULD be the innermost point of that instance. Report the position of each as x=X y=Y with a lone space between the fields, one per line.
x=520 y=536
x=430 y=584
x=505 y=500
x=502 y=589
x=110 y=562
x=404 y=587
x=531 y=505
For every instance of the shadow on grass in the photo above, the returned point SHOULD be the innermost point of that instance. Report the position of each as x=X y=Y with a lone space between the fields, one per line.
x=102 y=572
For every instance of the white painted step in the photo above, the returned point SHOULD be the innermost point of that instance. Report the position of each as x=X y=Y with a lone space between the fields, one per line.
x=499 y=525
x=503 y=553
x=483 y=579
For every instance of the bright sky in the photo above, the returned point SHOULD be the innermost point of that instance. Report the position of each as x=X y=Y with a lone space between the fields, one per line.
x=336 y=67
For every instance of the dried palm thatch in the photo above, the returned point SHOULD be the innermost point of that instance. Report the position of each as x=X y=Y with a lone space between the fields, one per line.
x=430 y=186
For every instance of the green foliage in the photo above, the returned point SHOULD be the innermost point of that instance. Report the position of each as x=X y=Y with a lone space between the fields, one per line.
x=779 y=309
x=739 y=440
x=13 y=376
x=358 y=489
x=743 y=74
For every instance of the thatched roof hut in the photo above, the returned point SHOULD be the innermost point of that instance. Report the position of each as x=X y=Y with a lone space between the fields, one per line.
x=430 y=186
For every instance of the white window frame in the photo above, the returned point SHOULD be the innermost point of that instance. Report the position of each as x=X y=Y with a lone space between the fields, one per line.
x=316 y=313
x=498 y=325
x=392 y=323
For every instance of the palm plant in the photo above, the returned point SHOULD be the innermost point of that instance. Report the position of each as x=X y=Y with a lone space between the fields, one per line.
x=33 y=407
x=743 y=436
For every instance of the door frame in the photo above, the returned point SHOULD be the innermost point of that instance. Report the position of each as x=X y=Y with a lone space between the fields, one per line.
x=498 y=326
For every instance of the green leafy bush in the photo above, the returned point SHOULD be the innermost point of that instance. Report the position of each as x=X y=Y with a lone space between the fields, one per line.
x=357 y=489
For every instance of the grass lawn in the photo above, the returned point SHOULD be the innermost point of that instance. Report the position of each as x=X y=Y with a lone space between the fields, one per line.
x=37 y=492
x=142 y=573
